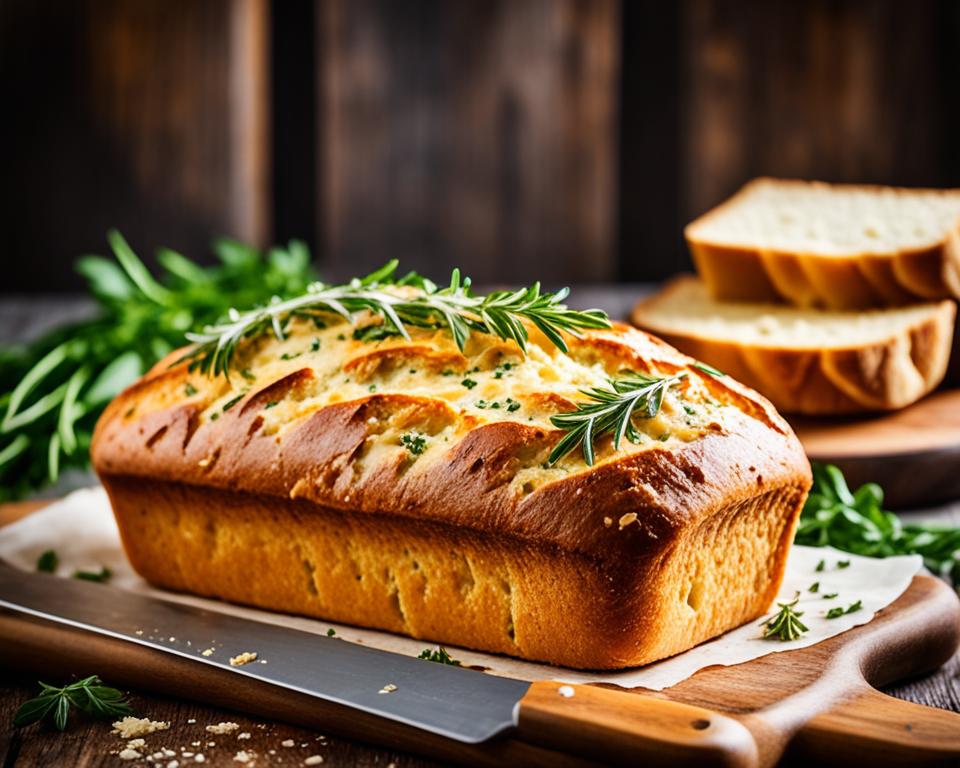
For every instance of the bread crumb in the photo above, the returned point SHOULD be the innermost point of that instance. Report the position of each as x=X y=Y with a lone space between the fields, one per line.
x=626 y=519
x=247 y=656
x=566 y=691
x=244 y=735
x=173 y=764
x=199 y=758
x=221 y=729
x=388 y=688
x=136 y=744
x=607 y=522
x=207 y=652
x=243 y=757
x=169 y=752
x=313 y=760
x=287 y=743
x=191 y=721
x=129 y=754
x=133 y=727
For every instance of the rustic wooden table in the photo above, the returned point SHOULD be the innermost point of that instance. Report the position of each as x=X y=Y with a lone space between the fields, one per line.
x=89 y=743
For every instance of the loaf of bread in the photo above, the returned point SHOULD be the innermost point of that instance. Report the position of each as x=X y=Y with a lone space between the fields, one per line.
x=830 y=245
x=404 y=485
x=808 y=361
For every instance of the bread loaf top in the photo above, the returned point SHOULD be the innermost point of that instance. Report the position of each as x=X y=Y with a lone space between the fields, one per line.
x=416 y=428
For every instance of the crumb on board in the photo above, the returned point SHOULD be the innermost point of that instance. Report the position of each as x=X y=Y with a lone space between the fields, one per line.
x=207 y=652
x=625 y=520
x=243 y=658
x=134 y=727
x=191 y=721
x=243 y=757
x=136 y=744
x=221 y=729
x=129 y=754
x=313 y=760
x=287 y=743
x=388 y=688
x=244 y=735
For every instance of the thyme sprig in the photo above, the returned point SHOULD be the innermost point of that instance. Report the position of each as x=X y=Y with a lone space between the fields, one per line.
x=611 y=412
x=785 y=624
x=88 y=695
x=454 y=308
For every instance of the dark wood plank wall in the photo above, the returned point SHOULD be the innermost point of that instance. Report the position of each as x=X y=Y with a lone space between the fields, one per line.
x=476 y=133
x=562 y=139
x=148 y=115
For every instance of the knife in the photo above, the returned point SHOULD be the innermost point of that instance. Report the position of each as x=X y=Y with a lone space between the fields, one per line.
x=365 y=693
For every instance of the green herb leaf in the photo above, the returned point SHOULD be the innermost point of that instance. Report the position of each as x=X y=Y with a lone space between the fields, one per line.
x=708 y=369
x=785 y=624
x=415 y=443
x=48 y=562
x=440 y=656
x=101 y=576
x=88 y=695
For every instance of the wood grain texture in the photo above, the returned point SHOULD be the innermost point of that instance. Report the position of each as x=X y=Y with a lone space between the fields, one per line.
x=472 y=133
x=914 y=453
x=148 y=116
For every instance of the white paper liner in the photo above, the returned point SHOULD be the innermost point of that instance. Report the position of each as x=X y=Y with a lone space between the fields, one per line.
x=82 y=531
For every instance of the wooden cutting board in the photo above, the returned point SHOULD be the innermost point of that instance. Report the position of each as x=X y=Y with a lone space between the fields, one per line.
x=913 y=453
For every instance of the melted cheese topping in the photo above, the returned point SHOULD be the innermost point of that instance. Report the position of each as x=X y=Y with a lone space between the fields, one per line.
x=492 y=381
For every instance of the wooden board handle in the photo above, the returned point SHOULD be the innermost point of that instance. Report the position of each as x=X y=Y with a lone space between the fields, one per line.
x=623 y=728
x=879 y=730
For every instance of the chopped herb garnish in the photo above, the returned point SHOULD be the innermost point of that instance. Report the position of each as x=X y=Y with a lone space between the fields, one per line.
x=841 y=564
x=48 y=562
x=248 y=374
x=372 y=388
x=290 y=355
x=469 y=383
x=374 y=333
x=664 y=437
x=785 y=624
x=482 y=404
x=708 y=369
x=331 y=632
x=834 y=613
x=88 y=695
x=689 y=409
x=512 y=405
x=446 y=372
x=415 y=443
x=815 y=587
x=214 y=416
x=232 y=402
x=412 y=371
x=101 y=576
x=189 y=389
x=440 y=656
x=498 y=374
x=830 y=596
x=820 y=566
x=315 y=345
x=271 y=404
x=341 y=337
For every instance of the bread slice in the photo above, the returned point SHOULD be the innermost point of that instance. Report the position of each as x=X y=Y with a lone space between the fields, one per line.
x=839 y=246
x=808 y=361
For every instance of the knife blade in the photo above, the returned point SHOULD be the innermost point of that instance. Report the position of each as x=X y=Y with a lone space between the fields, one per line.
x=450 y=701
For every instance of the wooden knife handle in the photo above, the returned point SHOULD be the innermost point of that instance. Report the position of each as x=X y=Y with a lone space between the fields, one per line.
x=881 y=731
x=622 y=728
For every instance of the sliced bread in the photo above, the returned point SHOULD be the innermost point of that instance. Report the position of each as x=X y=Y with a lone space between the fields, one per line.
x=839 y=246
x=808 y=361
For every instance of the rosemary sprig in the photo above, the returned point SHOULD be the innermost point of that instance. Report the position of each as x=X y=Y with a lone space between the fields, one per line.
x=88 y=695
x=455 y=308
x=611 y=412
x=785 y=624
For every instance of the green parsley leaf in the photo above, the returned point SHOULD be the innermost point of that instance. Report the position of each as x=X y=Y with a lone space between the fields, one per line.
x=48 y=562
x=439 y=656
x=101 y=576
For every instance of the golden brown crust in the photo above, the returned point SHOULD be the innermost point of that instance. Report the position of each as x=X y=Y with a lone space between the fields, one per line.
x=480 y=481
x=882 y=375
x=854 y=281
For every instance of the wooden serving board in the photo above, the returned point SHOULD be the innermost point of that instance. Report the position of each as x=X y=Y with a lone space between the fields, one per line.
x=913 y=453
x=816 y=705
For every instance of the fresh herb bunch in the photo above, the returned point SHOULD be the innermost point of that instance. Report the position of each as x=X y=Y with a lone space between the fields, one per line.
x=454 y=308
x=856 y=522
x=785 y=624
x=611 y=412
x=53 y=390
x=88 y=695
